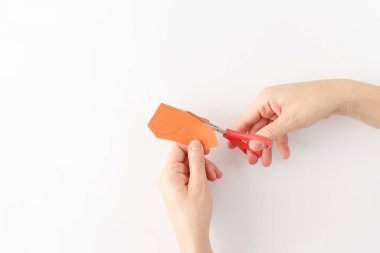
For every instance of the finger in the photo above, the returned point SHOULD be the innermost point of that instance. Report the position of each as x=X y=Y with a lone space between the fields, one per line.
x=247 y=120
x=253 y=129
x=252 y=157
x=266 y=157
x=184 y=148
x=258 y=125
x=231 y=145
x=273 y=118
x=211 y=170
x=283 y=146
x=266 y=111
x=177 y=175
x=271 y=131
x=176 y=169
x=219 y=173
x=196 y=163
x=180 y=168
x=177 y=154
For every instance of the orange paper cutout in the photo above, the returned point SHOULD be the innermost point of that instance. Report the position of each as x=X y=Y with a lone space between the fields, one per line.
x=176 y=125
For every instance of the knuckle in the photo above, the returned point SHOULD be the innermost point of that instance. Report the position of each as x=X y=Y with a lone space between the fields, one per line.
x=263 y=110
x=267 y=132
x=176 y=166
x=197 y=159
x=179 y=168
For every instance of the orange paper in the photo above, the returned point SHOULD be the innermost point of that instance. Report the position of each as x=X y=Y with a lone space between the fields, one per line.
x=176 y=125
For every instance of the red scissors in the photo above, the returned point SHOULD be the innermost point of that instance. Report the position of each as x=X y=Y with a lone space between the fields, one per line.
x=239 y=139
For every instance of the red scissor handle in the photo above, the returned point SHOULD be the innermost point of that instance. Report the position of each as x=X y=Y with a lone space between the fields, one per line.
x=241 y=140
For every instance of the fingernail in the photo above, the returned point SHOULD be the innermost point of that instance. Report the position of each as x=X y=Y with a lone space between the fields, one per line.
x=195 y=145
x=255 y=145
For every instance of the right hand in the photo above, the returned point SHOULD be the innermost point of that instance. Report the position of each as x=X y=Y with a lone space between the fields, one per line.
x=284 y=108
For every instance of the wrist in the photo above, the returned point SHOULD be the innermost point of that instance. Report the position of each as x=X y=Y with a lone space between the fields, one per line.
x=347 y=97
x=198 y=244
x=362 y=102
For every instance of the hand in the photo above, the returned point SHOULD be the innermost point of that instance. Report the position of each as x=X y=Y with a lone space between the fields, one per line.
x=281 y=109
x=184 y=187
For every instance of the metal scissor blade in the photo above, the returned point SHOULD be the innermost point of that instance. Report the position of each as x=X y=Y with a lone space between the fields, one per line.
x=207 y=122
x=216 y=128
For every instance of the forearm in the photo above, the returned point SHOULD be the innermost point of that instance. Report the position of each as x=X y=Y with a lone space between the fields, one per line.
x=362 y=101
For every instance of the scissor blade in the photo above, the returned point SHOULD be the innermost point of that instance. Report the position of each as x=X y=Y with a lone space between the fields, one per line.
x=208 y=123
x=216 y=128
x=198 y=117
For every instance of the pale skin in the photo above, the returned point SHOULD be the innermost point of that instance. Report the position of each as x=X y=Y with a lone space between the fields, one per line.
x=185 y=190
x=277 y=111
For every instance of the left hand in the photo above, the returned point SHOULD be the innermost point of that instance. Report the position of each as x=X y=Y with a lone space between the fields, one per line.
x=184 y=187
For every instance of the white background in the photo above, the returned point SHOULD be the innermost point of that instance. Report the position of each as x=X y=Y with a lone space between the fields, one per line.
x=79 y=81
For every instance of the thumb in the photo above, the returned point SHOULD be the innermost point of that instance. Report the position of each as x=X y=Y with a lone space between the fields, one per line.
x=271 y=131
x=196 y=163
